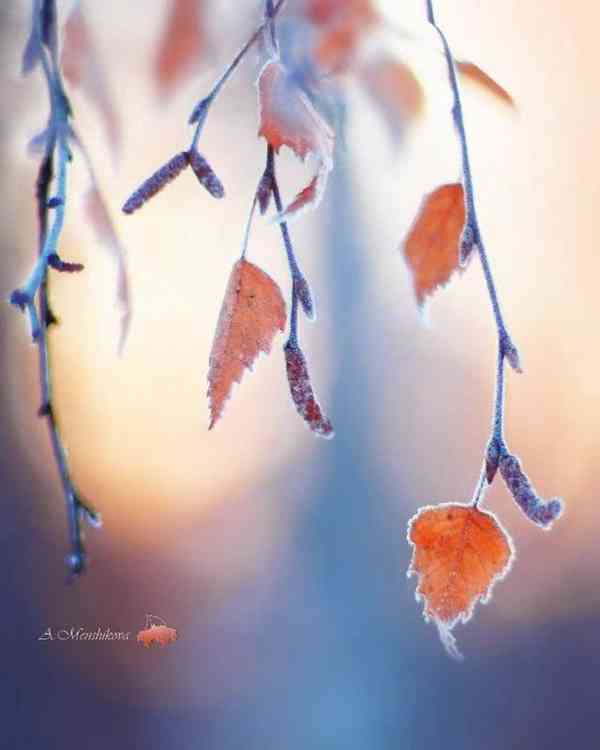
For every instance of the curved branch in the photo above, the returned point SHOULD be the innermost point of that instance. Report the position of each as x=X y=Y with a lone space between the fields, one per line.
x=472 y=235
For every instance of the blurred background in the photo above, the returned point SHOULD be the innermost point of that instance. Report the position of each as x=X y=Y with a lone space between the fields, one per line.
x=279 y=558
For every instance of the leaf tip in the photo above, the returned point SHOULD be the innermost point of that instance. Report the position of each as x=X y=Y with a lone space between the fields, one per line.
x=449 y=641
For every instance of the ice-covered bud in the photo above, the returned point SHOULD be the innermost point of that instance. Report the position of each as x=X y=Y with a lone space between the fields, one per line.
x=154 y=184
x=541 y=512
x=205 y=174
x=512 y=355
x=302 y=392
x=492 y=460
x=264 y=191
x=466 y=245
x=304 y=295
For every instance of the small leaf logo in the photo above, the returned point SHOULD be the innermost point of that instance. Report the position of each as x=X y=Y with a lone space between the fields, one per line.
x=160 y=634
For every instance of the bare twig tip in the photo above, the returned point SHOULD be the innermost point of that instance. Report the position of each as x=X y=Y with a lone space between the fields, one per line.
x=91 y=516
x=76 y=563
x=467 y=245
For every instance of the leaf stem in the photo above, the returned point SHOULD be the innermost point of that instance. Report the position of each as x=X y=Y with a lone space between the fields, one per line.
x=248 y=228
x=480 y=489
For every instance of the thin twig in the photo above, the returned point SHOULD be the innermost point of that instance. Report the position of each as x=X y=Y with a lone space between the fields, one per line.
x=298 y=279
x=472 y=221
x=295 y=272
x=270 y=18
x=505 y=344
x=33 y=294
x=498 y=425
x=75 y=507
x=200 y=111
x=24 y=297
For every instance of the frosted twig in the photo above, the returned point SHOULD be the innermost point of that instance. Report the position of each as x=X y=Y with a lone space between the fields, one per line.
x=200 y=111
x=32 y=296
x=472 y=238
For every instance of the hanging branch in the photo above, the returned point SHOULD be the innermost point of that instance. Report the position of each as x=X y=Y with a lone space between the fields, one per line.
x=32 y=296
x=472 y=239
x=250 y=290
x=200 y=111
x=460 y=551
x=299 y=381
x=178 y=163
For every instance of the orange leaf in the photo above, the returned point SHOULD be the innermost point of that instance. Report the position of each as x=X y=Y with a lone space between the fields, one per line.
x=253 y=311
x=180 y=45
x=337 y=44
x=432 y=245
x=395 y=89
x=306 y=198
x=341 y=26
x=159 y=634
x=474 y=73
x=459 y=553
x=288 y=118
